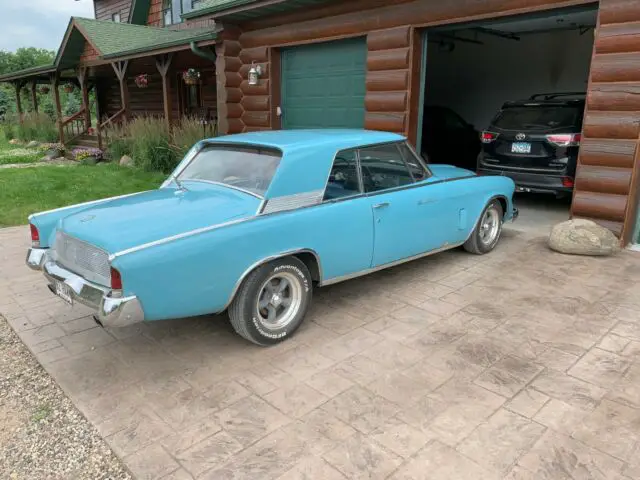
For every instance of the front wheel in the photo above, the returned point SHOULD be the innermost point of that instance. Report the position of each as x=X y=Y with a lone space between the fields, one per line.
x=272 y=301
x=485 y=236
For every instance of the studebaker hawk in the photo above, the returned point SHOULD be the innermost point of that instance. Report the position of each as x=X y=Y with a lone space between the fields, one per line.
x=253 y=222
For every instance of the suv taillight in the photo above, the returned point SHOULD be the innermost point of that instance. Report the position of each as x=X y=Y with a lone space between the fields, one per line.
x=488 y=137
x=116 y=279
x=565 y=139
x=35 y=235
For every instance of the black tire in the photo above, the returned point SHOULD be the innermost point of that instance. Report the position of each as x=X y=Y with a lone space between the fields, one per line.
x=247 y=318
x=476 y=243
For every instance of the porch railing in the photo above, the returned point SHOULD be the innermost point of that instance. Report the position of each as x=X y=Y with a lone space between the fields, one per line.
x=103 y=129
x=74 y=126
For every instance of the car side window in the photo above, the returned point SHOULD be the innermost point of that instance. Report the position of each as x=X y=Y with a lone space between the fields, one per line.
x=343 y=179
x=383 y=167
x=417 y=169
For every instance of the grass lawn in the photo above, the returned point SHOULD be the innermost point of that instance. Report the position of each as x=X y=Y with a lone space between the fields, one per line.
x=17 y=153
x=28 y=190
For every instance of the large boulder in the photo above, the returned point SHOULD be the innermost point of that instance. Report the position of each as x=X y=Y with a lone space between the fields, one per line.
x=126 y=161
x=583 y=237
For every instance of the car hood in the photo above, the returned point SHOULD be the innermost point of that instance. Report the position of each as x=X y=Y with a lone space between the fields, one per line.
x=444 y=172
x=145 y=217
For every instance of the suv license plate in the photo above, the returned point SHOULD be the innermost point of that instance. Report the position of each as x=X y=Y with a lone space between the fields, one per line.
x=520 y=147
x=63 y=291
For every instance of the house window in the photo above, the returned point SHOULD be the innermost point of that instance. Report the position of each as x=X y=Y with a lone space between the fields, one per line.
x=167 y=13
x=116 y=17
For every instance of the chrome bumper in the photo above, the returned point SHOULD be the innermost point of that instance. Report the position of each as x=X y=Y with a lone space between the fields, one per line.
x=111 y=310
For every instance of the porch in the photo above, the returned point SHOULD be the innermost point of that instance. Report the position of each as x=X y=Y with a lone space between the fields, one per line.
x=125 y=71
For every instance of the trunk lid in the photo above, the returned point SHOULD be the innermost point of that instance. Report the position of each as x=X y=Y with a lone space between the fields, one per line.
x=149 y=216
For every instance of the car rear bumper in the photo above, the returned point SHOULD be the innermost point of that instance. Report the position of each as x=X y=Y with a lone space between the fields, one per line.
x=111 y=310
x=531 y=182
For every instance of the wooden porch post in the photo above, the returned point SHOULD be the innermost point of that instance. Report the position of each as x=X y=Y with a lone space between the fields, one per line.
x=55 y=83
x=34 y=97
x=121 y=72
x=162 y=64
x=82 y=79
x=98 y=114
x=18 y=86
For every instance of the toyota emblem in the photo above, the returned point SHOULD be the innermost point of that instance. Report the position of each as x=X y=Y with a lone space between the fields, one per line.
x=521 y=136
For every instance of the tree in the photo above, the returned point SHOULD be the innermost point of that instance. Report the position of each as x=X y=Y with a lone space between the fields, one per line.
x=24 y=58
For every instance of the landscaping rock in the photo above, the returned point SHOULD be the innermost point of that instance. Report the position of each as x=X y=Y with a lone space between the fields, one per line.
x=126 y=161
x=583 y=237
x=33 y=144
x=14 y=141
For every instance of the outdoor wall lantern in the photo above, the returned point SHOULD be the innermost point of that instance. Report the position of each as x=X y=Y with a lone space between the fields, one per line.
x=254 y=73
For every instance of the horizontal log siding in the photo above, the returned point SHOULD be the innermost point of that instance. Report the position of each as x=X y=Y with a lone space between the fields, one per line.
x=608 y=168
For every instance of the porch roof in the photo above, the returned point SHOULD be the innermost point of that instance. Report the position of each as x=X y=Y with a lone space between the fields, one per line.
x=240 y=10
x=110 y=40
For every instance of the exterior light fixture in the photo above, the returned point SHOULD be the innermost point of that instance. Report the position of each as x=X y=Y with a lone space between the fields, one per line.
x=254 y=73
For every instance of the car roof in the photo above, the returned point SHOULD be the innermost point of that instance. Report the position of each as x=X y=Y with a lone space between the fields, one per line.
x=292 y=140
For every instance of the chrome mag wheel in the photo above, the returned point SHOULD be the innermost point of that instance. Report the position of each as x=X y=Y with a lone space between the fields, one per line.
x=489 y=226
x=279 y=300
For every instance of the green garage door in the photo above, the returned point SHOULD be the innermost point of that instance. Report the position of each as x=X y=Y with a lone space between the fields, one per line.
x=323 y=85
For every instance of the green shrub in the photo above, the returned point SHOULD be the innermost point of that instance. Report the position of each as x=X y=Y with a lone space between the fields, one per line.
x=36 y=126
x=118 y=144
x=187 y=133
x=151 y=144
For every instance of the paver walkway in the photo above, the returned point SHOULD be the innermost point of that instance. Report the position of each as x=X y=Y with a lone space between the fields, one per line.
x=523 y=364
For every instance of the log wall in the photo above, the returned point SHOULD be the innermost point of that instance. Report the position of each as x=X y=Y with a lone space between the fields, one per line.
x=608 y=176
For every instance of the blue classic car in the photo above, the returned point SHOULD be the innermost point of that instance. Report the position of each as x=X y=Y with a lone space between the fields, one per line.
x=253 y=222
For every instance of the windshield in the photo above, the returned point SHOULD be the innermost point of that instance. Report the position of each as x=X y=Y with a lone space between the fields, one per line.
x=249 y=168
x=538 y=117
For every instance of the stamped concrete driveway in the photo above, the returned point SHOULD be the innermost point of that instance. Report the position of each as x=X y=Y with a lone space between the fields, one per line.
x=523 y=364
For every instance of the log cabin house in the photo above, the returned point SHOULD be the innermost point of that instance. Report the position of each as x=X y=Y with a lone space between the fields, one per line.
x=367 y=63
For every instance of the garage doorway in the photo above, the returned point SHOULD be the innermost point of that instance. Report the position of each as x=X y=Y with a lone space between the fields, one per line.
x=323 y=85
x=471 y=71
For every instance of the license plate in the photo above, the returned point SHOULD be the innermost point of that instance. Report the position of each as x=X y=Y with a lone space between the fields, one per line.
x=520 y=147
x=63 y=291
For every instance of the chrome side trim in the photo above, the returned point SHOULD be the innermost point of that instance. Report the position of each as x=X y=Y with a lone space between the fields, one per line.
x=292 y=202
x=92 y=202
x=162 y=241
x=361 y=273
x=270 y=259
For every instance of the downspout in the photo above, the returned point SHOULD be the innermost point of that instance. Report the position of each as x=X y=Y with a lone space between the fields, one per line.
x=208 y=55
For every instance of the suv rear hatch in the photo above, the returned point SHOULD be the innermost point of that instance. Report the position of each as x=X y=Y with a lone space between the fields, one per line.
x=534 y=136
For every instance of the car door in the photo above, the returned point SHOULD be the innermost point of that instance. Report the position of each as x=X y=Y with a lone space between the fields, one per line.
x=403 y=210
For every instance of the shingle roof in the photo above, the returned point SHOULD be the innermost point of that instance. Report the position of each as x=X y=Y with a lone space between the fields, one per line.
x=113 y=39
x=28 y=72
x=204 y=7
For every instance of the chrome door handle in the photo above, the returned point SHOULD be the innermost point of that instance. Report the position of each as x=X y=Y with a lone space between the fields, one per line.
x=381 y=205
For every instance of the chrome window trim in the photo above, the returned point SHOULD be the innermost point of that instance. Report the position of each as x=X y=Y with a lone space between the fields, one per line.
x=270 y=258
x=420 y=161
x=84 y=204
x=292 y=202
x=396 y=143
x=220 y=184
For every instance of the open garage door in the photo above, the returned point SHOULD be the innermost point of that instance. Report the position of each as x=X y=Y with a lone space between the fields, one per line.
x=507 y=97
x=323 y=85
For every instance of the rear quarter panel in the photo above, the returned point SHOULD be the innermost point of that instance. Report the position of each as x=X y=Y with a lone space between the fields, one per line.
x=198 y=274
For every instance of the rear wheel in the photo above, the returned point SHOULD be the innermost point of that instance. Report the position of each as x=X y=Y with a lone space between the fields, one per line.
x=272 y=301
x=486 y=235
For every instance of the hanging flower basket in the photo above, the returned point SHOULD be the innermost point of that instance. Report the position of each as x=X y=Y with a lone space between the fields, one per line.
x=69 y=87
x=44 y=89
x=142 y=80
x=191 y=76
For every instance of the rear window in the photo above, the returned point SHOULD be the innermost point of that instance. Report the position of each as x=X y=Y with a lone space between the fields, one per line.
x=538 y=117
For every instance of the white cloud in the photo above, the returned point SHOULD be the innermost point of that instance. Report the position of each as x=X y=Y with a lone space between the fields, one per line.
x=38 y=23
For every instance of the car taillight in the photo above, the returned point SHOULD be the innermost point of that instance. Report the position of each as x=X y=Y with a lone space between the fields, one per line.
x=116 y=279
x=35 y=235
x=488 y=137
x=567 y=182
x=565 y=139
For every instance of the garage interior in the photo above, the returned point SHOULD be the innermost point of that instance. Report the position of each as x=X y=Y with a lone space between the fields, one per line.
x=473 y=69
